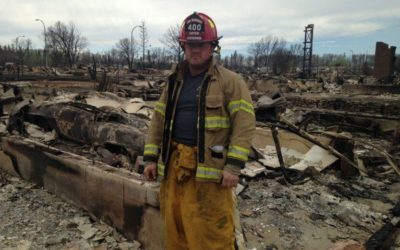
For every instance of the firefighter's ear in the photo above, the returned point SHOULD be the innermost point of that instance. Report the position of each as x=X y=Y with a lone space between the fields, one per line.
x=217 y=49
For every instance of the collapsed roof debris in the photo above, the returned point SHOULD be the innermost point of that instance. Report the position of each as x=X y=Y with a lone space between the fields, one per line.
x=102 y=128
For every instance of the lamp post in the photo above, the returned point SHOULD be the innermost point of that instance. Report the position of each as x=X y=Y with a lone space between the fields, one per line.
x=45 y=40
x=137 y=26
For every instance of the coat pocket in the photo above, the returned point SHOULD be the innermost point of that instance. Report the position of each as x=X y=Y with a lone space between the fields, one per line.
x=215 y=118
x=214 y=103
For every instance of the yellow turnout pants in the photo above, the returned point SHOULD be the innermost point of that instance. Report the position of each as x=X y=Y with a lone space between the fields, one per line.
x=197 y=215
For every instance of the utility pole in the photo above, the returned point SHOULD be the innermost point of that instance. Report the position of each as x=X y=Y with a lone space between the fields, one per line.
x=144 y=37
x=45 y=40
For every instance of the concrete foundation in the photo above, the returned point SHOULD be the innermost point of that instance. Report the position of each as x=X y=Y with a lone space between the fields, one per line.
x=116 y=196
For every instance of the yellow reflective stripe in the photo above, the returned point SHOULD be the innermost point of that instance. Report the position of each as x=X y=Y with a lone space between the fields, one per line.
x=160 y=169
x=217 y=122
x=241 y=104
x=201 y=172
x=151 y=149
x=208 y=173
x=160 y=108
x=238 y=152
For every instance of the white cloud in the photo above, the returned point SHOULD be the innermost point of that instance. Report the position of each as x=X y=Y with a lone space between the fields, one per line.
x=104 y=22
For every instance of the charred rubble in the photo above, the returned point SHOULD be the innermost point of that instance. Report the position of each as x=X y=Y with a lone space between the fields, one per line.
x=107 y=132
x=323 y=171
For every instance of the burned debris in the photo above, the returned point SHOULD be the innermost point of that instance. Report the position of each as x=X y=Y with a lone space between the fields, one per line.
x=323 y=170
x=9 y=96
x=107 y=130
x=322 y=158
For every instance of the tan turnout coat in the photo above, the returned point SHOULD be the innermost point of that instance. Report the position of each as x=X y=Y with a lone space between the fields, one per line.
x=226 y=123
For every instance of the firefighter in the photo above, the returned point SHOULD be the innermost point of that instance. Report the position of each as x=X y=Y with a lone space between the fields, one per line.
x=198 y=140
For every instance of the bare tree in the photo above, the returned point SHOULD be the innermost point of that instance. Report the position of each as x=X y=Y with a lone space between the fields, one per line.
x=296 y=50
x=170 y=40
x=67 y=40
x=274 y=53
x=248 y=61
x=22 y=49
x=263 y=49
x=124 y=49
x=158 y=58
x=6 y=54
x=144 y=38
x=111 y=57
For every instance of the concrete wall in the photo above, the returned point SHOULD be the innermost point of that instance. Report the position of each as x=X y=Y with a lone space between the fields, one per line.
x=118 y=197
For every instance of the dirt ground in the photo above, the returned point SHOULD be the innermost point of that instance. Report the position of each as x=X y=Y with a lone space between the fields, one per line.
x=32 y=218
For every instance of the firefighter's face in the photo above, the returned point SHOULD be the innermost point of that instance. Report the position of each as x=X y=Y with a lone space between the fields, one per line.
x=198 y=54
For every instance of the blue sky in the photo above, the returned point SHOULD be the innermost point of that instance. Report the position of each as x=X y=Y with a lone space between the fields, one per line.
x=359 y=43
x=341 y=26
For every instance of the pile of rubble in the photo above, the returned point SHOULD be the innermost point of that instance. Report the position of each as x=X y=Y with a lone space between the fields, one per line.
x=323 y=172
x=31 y=218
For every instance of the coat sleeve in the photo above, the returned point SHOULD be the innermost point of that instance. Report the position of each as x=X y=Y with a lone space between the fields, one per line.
x=242 y=118
x=155 y=133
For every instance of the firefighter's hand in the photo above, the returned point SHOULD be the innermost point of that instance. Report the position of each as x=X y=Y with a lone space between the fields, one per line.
x=150 y=171
x=229 y=180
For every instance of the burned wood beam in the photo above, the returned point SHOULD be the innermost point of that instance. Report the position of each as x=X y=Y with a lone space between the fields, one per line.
x=274 y=132
x=346 y=113
x=388 y=157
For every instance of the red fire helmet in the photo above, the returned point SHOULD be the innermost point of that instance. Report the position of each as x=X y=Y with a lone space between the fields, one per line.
x=198 y=27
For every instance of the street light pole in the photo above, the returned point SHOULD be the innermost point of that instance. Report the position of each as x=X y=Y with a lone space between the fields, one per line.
x=137 y=26
x=45 y=40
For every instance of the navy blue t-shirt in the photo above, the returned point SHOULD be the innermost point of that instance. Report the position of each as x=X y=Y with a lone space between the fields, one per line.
x=185 y=122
